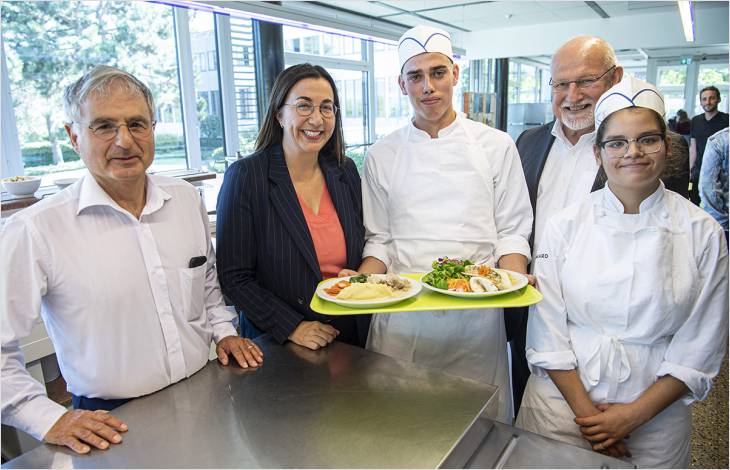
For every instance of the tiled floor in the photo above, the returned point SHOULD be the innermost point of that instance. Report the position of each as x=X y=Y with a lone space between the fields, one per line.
x=710 y=425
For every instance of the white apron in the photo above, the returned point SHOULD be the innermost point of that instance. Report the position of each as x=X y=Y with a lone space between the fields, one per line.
x=441 y=204
x=622 y=276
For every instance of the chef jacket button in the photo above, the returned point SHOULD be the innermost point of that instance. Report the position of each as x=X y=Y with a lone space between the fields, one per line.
x=665 y=215
x=300 y=301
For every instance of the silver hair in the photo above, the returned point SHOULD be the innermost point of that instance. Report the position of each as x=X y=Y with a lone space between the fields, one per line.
x=98 y=81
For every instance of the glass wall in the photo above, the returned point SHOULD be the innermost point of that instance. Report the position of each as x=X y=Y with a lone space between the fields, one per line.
x=44 y=55
x=207 y=90
x=528 y=96
x=715 y=75
x=670 y=81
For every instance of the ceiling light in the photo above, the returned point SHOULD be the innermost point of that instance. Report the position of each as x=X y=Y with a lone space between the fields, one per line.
x=688 y=24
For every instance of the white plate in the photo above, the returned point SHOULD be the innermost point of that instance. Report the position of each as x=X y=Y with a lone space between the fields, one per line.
x=521 y=281
x=412 y=291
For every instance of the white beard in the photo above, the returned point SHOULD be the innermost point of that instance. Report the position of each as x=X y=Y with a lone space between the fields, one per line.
x=579 y=123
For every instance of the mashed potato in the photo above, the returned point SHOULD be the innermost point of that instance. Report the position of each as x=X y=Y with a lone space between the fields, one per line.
x=365 y=291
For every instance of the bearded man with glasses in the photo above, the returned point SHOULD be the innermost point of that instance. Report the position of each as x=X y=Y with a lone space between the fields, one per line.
x=123 y=265
x=557 y=157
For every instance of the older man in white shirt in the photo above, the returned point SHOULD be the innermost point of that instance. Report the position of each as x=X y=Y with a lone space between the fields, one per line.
x=443 y=186
x=120 y=267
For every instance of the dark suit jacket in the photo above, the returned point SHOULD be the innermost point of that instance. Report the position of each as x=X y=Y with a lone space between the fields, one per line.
x=534 y=146
x=267 y=264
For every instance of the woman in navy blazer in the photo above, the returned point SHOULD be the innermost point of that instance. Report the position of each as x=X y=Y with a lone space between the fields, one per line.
x=268 y=264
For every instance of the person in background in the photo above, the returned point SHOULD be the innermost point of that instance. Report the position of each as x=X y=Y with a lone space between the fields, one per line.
x=290 y=215
x=714 y=178
x=120 y=267
x=443 y=186
x=702 y=127
x=682 y=123
x=634 y=322
x=558 y=159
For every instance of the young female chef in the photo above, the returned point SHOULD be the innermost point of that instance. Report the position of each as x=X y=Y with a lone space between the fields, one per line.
x=634 y=322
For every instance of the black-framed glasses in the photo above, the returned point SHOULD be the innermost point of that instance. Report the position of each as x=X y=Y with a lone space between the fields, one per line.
x=582 y=83
x=618 y=148
x=305 y=109
x=109 y=130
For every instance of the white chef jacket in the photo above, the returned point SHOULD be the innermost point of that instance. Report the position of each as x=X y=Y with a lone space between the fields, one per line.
x=460 y=195
x=568 y=175
x=628 y=298
x=125 y=313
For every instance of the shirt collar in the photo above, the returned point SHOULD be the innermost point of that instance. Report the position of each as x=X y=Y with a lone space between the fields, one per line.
x=91 y=194
x=613 y=203
x=446 y=131
x=585 y=139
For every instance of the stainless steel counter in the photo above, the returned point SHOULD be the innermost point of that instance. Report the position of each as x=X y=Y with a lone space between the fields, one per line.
x=337 y=407
x=340 y=407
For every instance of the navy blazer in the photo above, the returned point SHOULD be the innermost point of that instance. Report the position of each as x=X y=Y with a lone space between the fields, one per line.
x=267 y=264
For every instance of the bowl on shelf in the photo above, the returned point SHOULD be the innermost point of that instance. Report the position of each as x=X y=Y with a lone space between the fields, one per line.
x=22 y=185
x=63 y=183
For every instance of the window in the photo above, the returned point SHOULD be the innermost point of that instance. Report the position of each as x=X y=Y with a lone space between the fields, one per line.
x=393 y=108
x=120 y=34
x=670 y=81
x=208 y=106
x=715 y=75
x=244 y=82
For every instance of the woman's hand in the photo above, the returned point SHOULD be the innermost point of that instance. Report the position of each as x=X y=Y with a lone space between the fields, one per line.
x=313 y=334
x=347 y=273
x=607 y=428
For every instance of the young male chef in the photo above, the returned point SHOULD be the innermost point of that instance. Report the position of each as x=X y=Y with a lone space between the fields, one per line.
x=443 y=186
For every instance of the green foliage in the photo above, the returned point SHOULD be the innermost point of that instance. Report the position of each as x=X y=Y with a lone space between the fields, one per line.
x=218 y=153
x=51 y=44
x=211 y=127
x=40 y=153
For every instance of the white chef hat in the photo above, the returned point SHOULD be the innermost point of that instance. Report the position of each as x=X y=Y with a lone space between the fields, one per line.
x=421 y=39
x=630 y=92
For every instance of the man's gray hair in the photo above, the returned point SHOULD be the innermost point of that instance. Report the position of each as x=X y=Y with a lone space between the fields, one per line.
x=98 y=81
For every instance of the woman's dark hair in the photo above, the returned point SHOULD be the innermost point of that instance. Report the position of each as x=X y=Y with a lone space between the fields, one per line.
x=672 y=165
x=602 y=128
x=271 y=132
x=682 y=116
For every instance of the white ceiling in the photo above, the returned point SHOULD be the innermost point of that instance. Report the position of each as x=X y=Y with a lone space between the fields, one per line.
x=551 y=22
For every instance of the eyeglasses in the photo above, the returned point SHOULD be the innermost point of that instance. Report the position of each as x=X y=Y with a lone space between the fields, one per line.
x=109 y=131
x=582 y=83
x=306 y=109
x=618 y=148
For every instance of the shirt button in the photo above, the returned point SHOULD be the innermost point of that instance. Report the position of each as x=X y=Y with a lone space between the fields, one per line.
x=300 y=301
x=665 y=215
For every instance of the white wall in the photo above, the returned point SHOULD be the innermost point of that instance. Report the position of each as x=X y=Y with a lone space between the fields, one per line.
x=654 y=30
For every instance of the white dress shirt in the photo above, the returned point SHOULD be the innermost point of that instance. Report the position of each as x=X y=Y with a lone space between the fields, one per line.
x=568 y=175
x=125 y=313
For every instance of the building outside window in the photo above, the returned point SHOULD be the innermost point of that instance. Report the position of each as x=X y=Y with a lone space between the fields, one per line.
x=208 y=105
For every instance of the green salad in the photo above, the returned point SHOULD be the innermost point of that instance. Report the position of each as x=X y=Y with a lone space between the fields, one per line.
x=444 y=269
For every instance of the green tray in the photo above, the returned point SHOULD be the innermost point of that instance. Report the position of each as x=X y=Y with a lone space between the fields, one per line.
x=428 y=300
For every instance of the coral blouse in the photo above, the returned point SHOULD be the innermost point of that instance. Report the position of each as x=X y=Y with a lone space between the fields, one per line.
x=327 y=235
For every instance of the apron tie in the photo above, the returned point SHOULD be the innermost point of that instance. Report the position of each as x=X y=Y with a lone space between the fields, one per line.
x=607 y=363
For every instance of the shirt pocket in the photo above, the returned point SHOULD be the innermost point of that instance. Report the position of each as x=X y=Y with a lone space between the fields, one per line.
x=192 y=287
